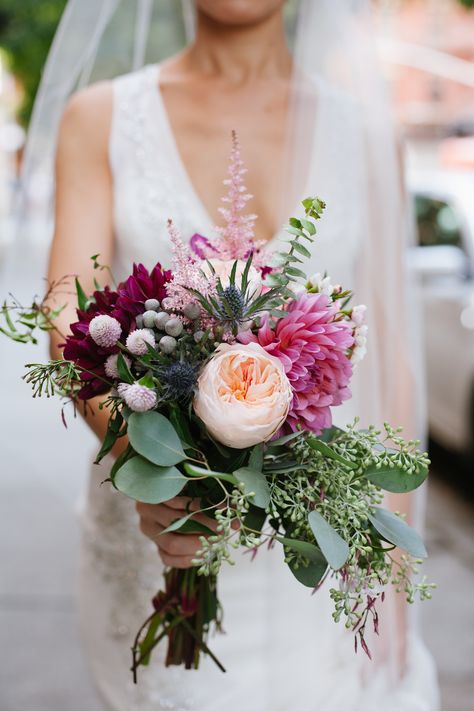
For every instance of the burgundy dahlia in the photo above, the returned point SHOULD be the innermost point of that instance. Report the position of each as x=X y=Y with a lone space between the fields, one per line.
x=142 y=285
x=312 y=345
x=123 y=305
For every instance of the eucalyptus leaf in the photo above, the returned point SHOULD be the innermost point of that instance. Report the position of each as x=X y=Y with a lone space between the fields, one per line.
x=309 y=227
x=256 y=458
x=301 y=249
x=332 y=545
x=254 y=481
x=394 y=529
x=143 y=481
x=154 y=437
x=395 y=478
x=309 y=575
x=304 y=548
x=255 y=518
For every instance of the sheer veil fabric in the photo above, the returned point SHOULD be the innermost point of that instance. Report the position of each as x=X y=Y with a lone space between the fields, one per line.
x=341 y=145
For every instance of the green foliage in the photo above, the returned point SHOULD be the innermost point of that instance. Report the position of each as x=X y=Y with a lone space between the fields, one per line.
x=26 y=32
x=143 y=481
x=394 y=529
x=333 y=547
x=255 y=486
x=154 y=437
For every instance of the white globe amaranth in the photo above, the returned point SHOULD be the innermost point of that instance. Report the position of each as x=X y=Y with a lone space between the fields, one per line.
x=137 y=341
x=105 y=330
x=110 y=366
x=138 y=397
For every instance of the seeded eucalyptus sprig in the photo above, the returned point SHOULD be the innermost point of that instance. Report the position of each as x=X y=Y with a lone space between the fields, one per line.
x=301 y=229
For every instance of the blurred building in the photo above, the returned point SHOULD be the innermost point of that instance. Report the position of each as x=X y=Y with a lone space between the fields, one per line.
x=429 y=48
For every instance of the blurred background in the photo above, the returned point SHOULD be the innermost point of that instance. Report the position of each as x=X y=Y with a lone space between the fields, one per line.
x=427 y=52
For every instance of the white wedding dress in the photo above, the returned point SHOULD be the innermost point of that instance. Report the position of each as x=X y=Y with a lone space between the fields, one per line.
x=282 y=650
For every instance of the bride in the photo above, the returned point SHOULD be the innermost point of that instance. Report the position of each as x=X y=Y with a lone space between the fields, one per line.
x=153 y=144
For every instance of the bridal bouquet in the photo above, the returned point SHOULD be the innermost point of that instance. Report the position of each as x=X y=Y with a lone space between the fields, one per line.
x=222 y=373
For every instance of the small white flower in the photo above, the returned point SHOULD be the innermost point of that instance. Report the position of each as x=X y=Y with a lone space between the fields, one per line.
x=358 y=354
x=105 y=330
x=138 y=397
x=321 y=283
x=137 y=341
x=111 y=365
x=358 y=314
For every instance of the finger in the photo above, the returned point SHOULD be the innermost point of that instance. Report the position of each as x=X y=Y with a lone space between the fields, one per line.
x=178 y=544
x=173 y=561
x=184 y=502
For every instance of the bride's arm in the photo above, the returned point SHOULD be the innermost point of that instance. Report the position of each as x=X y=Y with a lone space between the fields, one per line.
x=83 y=207
x=83 y=227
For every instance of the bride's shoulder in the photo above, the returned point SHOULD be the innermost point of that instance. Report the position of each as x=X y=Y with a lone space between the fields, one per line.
x=88 y=114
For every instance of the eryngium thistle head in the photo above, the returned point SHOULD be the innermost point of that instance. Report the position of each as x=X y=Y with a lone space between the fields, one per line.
x=178 y=380
x=232 y=303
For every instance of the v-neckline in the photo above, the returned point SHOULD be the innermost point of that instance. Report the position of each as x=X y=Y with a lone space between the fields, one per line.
x=155 y=71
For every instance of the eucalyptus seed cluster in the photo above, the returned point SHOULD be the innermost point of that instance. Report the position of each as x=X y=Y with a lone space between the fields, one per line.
x=216 y=549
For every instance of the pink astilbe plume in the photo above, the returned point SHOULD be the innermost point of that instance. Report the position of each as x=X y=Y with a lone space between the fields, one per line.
x=313 y=348
x=236 y=237
x=186 y=273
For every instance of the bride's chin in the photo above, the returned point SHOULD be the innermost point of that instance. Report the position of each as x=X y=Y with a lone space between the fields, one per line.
x=238 y=12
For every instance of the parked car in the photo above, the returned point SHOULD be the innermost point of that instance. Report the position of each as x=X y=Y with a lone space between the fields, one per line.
x=443 y=258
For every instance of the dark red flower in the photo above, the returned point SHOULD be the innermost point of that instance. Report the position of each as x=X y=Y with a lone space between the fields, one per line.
x=124 y=305
x=140 y=286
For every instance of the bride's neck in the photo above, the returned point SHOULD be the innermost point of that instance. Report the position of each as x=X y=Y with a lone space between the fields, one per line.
x=241 y=53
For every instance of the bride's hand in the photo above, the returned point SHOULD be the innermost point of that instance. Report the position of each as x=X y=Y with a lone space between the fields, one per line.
x=176 y=549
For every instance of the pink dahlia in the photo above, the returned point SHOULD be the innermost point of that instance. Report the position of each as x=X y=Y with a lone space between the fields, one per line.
x=312 y=345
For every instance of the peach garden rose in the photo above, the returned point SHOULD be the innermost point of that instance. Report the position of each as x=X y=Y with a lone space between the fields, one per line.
x=243 y=395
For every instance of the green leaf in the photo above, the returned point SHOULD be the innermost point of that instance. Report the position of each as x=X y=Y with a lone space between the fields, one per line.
x=254 y=481
x=255 y=518
x=256 y=458
x=395 y=478
x=81 y=296
x=111 y=436
x=181 y=425
x=233 y=272
x=394 y=529
x=187 y=525
x=309 y=227
x=327 y=451
x=285 y=439
x=330 y=434
x=193 y=470
x=304 y=548
x=311 y=574
x=154 y=437
x=123 y=370
x=276 y=279
x=294 y=230
x=301 y=249
x=143 y=481
x=295 y=222
x=127 y=454
x=332 y=545
x=294 y=272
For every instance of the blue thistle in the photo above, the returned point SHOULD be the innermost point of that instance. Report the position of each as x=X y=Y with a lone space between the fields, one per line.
x=178 y=380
